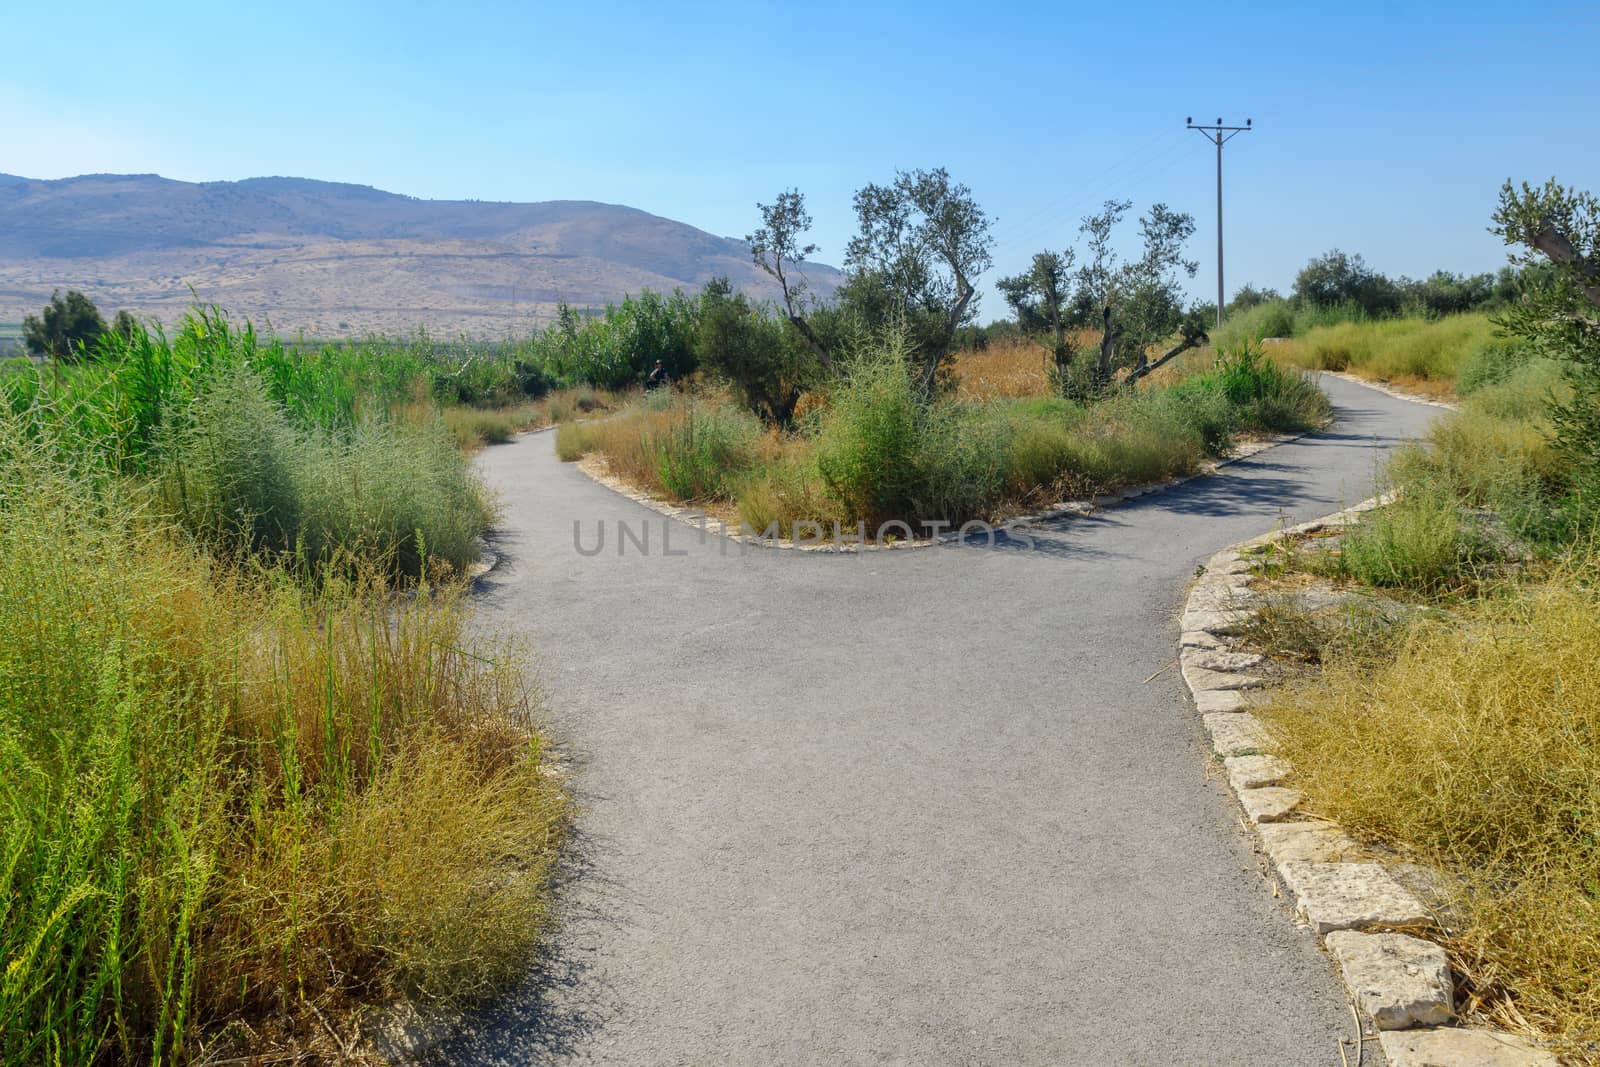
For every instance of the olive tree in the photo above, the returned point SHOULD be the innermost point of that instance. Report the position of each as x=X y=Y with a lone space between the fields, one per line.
x=1040 y=295
x=779 y=247
x=1139 y=302
x=1559 y=310
x=768 y=364
x=922 y=243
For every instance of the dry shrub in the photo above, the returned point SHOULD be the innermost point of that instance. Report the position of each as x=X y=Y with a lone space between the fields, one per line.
x=1477 y=748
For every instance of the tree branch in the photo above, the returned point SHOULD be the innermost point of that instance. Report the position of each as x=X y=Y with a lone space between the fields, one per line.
x=1558 y=249
x=1177 y=350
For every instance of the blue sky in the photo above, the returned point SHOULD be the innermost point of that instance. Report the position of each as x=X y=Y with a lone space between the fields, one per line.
x=1384 y=129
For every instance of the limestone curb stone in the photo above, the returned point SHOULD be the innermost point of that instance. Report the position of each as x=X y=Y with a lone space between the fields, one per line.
x=1400 y=981
x=1456 y=1046
x=1217 y=658
x=1351 y=896
x=1314 y=840
x=1235 y=733
x=1200 y=678
x=1253 y=772
x=1269 y=804
x=1200 y=639
x=487 y=561
x=1218 y=622
x=1218 y=700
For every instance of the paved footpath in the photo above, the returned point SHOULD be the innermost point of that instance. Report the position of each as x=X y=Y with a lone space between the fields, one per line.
x=905 y=807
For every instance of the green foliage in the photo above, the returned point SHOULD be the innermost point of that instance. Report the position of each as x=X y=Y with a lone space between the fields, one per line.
x=884 y=455
x=68 y=328
x=1247 y=297
x=1271 y=318
x=699 y=457
x=238 y=473
x=198 y=773
x=1491 y=362
x=1497 y=453
x=1559 y=315
x=1135 y=304
x=1417 y=349
x=868 y=443
x=1338 y=278
x=617 y=349
x=1446 y=293
x=921 y=245
x=1421 y=542
x=762 y=357
x=1039 y=298
x=1261 y=395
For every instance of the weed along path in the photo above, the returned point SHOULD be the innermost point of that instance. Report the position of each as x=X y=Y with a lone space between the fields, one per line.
x=916 y=807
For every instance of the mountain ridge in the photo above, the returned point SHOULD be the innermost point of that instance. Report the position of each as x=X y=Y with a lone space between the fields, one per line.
x=338 y=259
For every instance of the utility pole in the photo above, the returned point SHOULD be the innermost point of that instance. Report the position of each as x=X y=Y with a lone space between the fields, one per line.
x=1219 y=135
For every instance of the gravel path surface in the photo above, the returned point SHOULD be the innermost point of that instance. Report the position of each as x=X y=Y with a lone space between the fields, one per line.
x=912 y=807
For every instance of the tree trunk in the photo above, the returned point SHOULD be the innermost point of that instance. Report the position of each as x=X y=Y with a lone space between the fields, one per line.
x=930 y=365
x=781 y=414
x=816 y=344
x=1108 y=347
x=1060 y=351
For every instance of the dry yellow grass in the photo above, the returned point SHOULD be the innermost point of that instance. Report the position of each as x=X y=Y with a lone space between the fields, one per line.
x=1477 y=748
x=1008 y=370
x=473 y=427
x=624 y=440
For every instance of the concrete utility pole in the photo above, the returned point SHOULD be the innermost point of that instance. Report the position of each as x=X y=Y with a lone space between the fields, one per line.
x=1219 y=135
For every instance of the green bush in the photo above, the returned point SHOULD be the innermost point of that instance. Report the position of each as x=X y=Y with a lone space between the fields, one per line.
x=868 y=442
x=1497 y=452
x=701 y=456
x=1273 y=318
x=1421 y=542
x=961 y=461
x=617 y=348
x=1423 y=349
x=760 y=355
x=237 y=473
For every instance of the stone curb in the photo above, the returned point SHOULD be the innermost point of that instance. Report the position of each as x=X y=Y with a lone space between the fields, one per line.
x=1402 y=983
x=707 y=525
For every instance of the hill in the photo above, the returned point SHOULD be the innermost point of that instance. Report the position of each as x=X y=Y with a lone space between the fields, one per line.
x=331 y=259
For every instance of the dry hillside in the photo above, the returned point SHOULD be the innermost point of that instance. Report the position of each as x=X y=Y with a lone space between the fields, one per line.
x=333 y=260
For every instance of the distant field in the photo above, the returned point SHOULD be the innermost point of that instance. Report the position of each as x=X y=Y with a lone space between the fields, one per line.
x=10 y=339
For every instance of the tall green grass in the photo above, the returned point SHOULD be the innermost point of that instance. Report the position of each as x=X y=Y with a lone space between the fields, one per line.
x=237 y=471
x=225 y=799
x=118 y=400
x=1399 y=348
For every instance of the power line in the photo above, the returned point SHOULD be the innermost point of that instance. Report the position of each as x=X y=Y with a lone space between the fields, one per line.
x=1136 y=156
x=1215 y=134
x=1152 y=166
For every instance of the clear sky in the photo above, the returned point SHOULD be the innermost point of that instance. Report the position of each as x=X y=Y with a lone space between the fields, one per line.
x=1384 y=129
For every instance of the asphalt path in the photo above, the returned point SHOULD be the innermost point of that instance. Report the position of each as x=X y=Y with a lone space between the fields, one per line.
x=909 y=806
